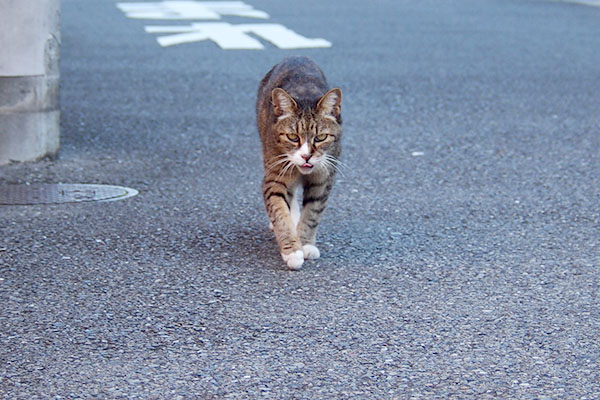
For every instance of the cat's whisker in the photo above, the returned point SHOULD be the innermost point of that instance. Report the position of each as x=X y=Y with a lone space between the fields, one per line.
x=275 y=165
x=285 y=169
x=280 y=159
x=327 y=166
x=332 y=164
x=290 y=166
x=338 y=163
x=282 y=172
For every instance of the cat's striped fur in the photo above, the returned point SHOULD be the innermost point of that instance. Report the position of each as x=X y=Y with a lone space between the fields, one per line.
x=300 y=126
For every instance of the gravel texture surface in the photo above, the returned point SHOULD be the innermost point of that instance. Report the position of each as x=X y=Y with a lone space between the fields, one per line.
x=460 y=252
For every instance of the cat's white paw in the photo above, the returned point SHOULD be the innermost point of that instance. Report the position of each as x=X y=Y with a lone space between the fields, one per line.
x=294 y=260
x=271 y=227
x=311 y=252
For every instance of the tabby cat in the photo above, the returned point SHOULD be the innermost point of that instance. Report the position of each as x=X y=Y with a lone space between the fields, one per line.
x=300 y=126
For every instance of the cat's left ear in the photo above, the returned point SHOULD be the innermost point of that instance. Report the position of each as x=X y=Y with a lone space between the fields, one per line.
x=283 y=104
x=330 y=104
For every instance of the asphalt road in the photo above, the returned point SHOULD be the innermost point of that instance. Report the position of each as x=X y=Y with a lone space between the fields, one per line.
x=460 y=250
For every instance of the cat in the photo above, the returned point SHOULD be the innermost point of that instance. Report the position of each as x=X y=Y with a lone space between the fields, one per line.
x=300 y=125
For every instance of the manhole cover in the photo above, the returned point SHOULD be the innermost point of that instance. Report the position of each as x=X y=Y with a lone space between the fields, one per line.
x=61 y=193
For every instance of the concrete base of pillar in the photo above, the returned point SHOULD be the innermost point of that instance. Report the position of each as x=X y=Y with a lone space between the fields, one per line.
x=29 y=118
x=29 y=136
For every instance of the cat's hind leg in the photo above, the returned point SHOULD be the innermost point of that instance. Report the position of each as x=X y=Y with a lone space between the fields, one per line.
x=311 y=252
x=295 y=206
x=296 y=259
x=315 y=195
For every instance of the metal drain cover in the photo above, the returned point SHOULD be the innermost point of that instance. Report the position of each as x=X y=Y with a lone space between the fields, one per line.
x=61 y=193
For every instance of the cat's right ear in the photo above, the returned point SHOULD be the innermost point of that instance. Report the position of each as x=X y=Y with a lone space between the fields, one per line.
x=283 y=104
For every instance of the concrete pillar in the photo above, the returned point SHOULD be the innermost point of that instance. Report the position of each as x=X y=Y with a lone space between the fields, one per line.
x=29 y=77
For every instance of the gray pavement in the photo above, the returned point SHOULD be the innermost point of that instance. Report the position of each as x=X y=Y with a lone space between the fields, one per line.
x=460 y=252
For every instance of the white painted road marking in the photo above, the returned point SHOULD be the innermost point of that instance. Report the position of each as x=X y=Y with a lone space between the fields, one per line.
x=283 y=37
x=235 y=37
x=225 y=35
x=591 y=3
x=178 y=10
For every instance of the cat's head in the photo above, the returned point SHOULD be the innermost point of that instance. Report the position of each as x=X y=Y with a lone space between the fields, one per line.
x=308 y=135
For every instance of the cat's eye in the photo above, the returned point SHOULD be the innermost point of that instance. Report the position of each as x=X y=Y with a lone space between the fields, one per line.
x=321 y=137
x=293 y=137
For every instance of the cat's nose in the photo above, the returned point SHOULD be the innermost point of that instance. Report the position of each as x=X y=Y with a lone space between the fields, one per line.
x=306 y=157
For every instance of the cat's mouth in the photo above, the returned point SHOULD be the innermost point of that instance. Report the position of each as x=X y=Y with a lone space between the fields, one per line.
x=305 y=168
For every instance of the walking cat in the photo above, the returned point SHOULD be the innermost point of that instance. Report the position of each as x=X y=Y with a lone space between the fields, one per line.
x=300 y=126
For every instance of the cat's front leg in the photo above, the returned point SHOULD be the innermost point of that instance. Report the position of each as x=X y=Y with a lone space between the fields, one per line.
x=278 y=204
x=285 y=233
x=316 y=193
